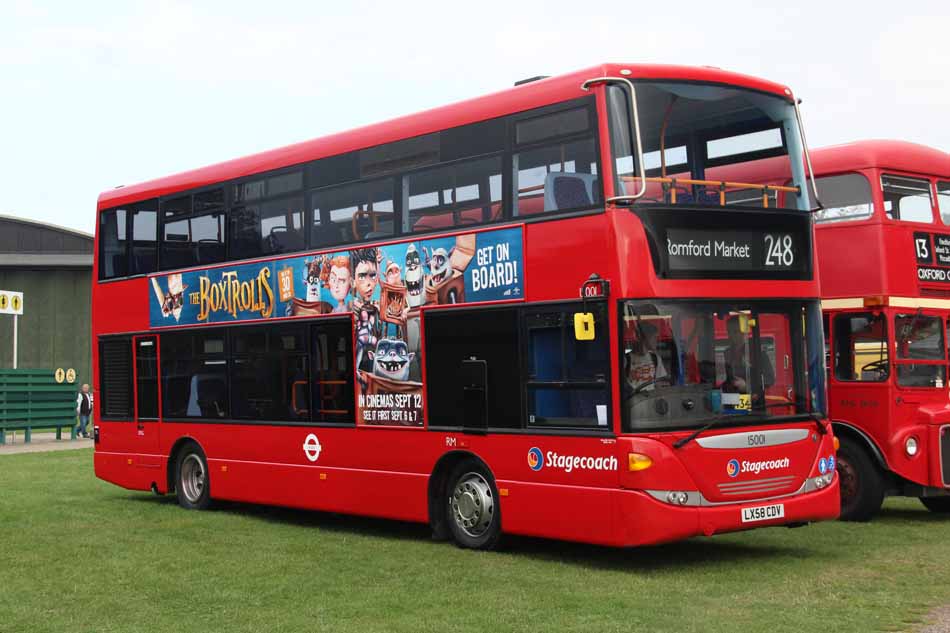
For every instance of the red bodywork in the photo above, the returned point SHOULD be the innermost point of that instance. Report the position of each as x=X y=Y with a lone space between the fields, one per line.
x=385 y=471
x=872 y=262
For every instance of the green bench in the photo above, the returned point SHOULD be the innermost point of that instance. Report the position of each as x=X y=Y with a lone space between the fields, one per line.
x=27 y=429
x=32 y=399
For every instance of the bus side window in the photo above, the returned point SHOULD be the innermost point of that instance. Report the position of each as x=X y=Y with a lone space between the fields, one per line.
x=860 y=352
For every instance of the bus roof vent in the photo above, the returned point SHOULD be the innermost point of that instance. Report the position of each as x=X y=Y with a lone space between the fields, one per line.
x=531 y=79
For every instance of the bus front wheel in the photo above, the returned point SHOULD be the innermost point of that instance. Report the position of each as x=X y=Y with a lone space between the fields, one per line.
x=193 y=486
x=862 y=490
x=939 y=505
x=473 y=513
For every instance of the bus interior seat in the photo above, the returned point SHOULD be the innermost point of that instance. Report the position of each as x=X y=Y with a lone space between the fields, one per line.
x=568 y=190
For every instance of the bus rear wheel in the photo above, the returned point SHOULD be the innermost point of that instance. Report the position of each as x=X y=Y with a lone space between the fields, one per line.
x=193 y=485
x=862 y=491
x=472 y=512
x=939 y=505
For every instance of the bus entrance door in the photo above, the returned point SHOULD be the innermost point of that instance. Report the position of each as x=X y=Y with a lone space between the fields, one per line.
x=145 y=440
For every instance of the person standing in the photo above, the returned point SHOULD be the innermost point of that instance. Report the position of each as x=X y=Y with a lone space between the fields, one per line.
x=84 y=409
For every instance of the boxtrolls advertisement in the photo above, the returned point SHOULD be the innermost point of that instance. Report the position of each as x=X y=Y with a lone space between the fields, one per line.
x=383 y=287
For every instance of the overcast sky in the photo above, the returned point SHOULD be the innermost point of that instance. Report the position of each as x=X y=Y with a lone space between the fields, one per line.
x=98 y=94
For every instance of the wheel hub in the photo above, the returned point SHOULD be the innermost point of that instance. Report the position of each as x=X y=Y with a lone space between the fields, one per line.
x=192 y=478
x=472 y=505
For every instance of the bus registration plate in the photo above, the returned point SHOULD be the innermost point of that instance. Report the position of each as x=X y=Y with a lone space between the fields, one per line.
x=763 y=513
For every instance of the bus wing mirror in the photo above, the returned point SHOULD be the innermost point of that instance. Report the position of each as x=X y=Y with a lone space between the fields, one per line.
x=584 y=326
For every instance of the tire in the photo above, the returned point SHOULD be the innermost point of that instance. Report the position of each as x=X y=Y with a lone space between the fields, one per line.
x=192 y=483
x=472 y=511
x=862 y=485
x=938 y=505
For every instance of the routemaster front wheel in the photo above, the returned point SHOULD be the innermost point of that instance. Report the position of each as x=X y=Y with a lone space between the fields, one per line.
x=862 y=490
x=473 y=513
x=193 y=486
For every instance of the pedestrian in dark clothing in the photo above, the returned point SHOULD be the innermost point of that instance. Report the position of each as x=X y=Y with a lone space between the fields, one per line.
x=84 y=409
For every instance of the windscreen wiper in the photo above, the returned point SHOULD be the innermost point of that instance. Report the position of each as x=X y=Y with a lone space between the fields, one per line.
x=712 y=422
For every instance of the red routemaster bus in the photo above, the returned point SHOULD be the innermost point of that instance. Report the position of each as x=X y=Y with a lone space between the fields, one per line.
x=534 y=312
x=883 y=241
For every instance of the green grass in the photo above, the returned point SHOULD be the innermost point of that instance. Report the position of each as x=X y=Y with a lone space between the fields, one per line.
x=77 y=554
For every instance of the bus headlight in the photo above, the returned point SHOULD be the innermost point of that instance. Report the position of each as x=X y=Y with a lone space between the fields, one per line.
x=910 y=446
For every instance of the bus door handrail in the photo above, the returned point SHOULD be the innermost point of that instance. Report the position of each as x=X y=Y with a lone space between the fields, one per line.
x=636 y=133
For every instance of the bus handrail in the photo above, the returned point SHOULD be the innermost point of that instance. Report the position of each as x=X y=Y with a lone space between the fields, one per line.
x=722 y=185
x=636 y=140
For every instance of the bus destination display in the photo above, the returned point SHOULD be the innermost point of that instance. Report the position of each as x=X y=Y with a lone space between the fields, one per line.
x=739 y=251
x=933 y=257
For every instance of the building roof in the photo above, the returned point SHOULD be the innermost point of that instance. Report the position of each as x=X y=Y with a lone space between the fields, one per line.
x=509 y=101
x=26 y=243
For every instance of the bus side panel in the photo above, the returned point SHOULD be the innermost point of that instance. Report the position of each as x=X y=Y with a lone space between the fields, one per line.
x=570 y=513
x=400 y=496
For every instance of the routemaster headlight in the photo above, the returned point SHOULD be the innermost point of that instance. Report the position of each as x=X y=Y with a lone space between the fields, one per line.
x=911 y=446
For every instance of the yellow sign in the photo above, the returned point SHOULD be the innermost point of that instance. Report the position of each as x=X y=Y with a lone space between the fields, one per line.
x=745 y=402
x=11 y=302
x=60 y=375
x=70 y=375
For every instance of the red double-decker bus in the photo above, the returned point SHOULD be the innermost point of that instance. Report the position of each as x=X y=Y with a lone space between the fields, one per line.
x=536 y=312
x=883 y=240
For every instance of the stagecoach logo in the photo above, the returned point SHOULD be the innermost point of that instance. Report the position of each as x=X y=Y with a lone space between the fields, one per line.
x=732 y=468
x=568 y=463
x=535 y=459
x=312 y=448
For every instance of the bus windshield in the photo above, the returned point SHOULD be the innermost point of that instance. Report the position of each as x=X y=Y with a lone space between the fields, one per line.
x=700 y=143
x=688 y=362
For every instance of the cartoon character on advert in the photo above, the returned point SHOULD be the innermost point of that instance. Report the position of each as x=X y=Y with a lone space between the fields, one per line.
x=415 y=296
x=364 y=263
x=171 y=302
x=391 y=359
x=313 y=281
x=336 y=275
x=392 y=301
x=445 y=282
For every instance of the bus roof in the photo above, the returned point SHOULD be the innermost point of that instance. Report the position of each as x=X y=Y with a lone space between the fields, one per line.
x=884 y=154
x=511 y=100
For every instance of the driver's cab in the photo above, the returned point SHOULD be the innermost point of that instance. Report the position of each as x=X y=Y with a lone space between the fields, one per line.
x=685 y=362
x=877 y=350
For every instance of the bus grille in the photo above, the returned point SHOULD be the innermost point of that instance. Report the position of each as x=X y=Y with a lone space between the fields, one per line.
x=757 y=486
x=945 y=454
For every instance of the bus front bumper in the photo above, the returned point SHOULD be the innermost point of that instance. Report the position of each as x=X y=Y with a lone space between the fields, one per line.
x=647 y=521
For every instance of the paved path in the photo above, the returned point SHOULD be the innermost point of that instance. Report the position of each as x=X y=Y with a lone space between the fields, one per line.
x=42 y=442
x=938 y=621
